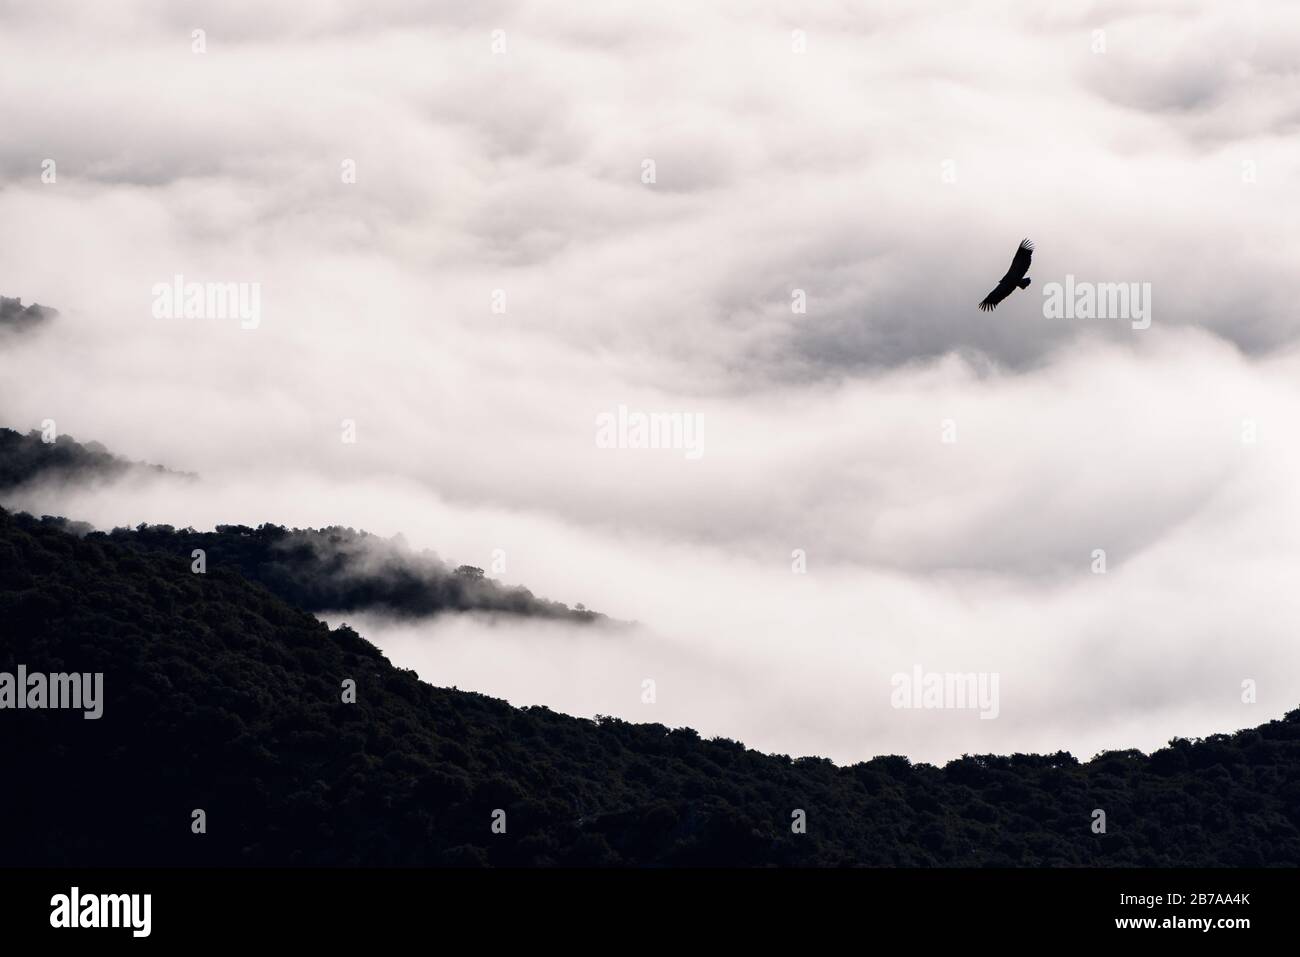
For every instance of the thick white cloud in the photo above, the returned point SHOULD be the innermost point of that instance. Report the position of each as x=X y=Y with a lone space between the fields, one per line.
x=775 y=171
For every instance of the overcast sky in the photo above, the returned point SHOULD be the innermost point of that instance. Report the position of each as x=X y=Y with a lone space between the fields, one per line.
x=888 y=171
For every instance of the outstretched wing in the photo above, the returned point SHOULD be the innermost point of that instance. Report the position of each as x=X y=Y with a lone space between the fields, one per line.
x=1019 y=266
x=1019 y=263
x=1001 y=292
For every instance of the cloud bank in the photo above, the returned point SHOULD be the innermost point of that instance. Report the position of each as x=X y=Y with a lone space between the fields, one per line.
x=500 y=275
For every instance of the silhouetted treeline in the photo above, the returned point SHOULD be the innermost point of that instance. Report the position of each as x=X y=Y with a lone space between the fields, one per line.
x=340 y=569
x=330 y=569
x=15 y=316
x=26 y=458
x=220 y=696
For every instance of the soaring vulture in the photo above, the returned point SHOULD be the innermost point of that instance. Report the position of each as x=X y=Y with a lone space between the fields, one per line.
x=1015 y=276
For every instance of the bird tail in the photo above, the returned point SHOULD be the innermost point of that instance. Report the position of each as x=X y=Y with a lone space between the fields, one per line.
x=1024 y=283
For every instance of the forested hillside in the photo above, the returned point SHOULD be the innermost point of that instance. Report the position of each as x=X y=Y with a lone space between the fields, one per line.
x=27 y=458
x=342 y=569
x=220 y=696
x=328 y=569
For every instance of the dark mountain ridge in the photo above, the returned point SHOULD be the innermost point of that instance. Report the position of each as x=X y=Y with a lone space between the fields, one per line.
x=29 y=458
x=340 y=569
x=15 y=316
x=318 y=570
x=222 y=697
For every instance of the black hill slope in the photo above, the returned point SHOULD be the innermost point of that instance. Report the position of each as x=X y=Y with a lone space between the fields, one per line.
x=221 y=696
x=16 y=317
x=344 y=570
x=26 y=458
x=319 y=570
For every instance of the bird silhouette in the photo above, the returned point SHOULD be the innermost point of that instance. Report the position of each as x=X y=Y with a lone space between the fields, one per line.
x=1014 y=278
